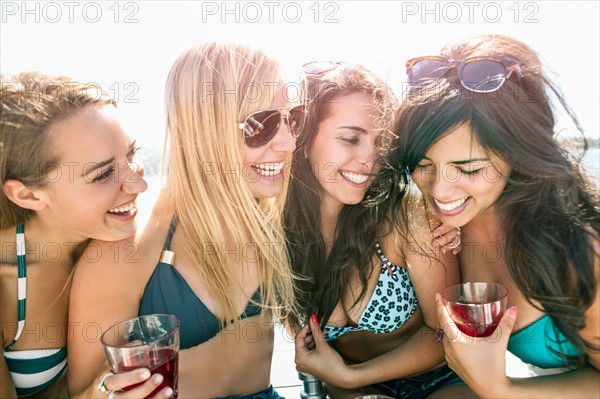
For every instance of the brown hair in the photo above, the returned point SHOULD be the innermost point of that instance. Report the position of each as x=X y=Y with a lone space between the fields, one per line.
x=30 y=104
x=323 y=278
x=549 y=209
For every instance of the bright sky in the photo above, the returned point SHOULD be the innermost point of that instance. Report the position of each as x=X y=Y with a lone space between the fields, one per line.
x=128 y=47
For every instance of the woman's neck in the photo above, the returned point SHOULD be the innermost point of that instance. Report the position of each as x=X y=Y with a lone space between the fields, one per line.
x=329 y=218
x=485 y=226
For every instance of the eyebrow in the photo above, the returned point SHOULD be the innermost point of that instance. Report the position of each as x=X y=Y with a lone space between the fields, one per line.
x=97 y=166
x=355 y=128
x=102 y=164
x=467 y=161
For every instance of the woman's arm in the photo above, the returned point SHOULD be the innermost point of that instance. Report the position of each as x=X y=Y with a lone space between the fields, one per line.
x=420 y=353
x=106 y=289
x=431 y=269
x=467 y=355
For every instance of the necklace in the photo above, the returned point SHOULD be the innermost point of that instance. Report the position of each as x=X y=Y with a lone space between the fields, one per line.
x=22 y=283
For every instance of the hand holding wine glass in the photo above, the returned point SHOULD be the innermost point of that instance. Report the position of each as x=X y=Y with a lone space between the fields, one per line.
x=476 y=307
x=479 y=362
x=150 y=342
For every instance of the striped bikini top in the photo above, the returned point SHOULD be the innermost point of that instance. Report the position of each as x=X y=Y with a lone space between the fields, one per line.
x=33 y=370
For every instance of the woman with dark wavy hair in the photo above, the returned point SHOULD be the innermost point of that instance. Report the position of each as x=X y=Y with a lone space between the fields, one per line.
x=369 y=285
x=477 y=136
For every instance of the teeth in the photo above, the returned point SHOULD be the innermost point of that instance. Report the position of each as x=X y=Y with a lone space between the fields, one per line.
x=268 y=169
x=124 y=209
x=450 y=206
x=355 y=177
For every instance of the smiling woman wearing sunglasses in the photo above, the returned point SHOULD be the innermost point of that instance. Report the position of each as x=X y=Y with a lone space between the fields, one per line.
x=212 y=252
x=477 y=136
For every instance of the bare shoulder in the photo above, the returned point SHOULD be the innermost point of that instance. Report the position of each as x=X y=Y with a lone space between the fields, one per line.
x=133 y=254
x=591 y=332
x=129 y=262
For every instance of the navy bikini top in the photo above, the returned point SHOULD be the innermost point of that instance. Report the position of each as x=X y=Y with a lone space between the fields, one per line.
x=167 y=292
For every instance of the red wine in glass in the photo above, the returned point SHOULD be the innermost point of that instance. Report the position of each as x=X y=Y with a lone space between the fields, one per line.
x=476 y=307
x=470 y=325
x=166 y=361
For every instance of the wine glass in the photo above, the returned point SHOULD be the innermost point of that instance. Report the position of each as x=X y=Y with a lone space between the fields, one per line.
x=476 y=307
x=150 y=341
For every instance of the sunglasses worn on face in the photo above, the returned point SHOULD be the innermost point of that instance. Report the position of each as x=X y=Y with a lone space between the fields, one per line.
x=478 y=74
x=320 y=67
x=260 y=127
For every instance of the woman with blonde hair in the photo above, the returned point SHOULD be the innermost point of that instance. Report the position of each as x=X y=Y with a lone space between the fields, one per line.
x=215 y=233
x=67 y=174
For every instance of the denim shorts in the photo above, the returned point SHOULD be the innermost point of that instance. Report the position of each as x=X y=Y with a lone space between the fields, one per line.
x=419 y=386
x=268 y=393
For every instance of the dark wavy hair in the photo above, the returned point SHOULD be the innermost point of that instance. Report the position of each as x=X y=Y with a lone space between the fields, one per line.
x=549 y=211
x=323 y=278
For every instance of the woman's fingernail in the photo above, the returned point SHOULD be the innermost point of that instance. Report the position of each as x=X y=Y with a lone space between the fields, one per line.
x=168 y=393
x=513 y=312
x=314 y=319
x=145 y=374
x=157 y=379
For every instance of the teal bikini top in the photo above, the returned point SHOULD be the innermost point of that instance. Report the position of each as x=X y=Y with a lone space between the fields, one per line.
x=533 y=344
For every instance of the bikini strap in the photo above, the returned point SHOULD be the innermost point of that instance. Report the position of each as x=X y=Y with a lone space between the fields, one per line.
x=172 y=228
x=168 y=256
x=21 y=283
x=386 y=264
x=379 y=251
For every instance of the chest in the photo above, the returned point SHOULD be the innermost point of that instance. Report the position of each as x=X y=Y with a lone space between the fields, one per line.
x=388 y=300
x=486 y=262
x=243 y=265
x=46 y=304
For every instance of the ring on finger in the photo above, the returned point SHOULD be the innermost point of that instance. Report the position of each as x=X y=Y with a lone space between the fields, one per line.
x=455 y=243
x=101 y=386
x=439 y=335
x=114 y=393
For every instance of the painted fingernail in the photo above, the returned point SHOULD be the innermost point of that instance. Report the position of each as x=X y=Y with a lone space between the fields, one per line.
x=145 y=374
x=439 y=335
x=157 y=379
x=168 y=393
x=513 y=312
x=314 y=319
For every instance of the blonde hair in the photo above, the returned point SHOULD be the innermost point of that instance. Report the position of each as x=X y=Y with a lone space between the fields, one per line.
x=209 y=91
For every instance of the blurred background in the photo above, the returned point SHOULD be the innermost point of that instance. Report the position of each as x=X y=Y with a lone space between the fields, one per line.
x=128 y=47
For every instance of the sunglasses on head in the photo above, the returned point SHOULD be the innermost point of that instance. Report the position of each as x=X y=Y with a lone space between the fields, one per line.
x=478 y=74
x=320 y=67
x=260 y=127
